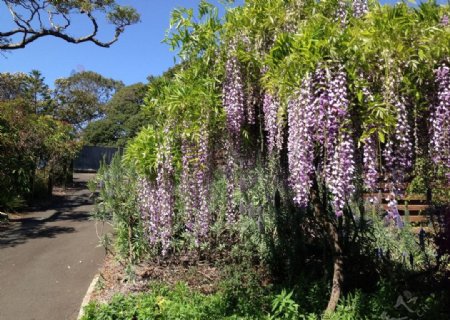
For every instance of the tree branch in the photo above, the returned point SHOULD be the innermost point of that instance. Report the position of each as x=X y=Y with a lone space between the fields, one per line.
x=25 y=33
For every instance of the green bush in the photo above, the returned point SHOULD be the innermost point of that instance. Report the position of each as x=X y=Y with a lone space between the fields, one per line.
x=236 y=300
x=117 y=204
x=162 y=303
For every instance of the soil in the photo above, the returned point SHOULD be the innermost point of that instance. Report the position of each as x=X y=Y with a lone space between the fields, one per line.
x=114 y=278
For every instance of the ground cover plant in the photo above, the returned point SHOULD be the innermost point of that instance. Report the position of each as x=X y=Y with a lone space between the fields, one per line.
x=260 y=146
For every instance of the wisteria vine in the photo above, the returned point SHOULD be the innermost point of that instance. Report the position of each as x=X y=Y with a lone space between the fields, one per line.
x=300 y=144
x=360 y=8
x=233 y=96
x=370 y=157
x=398 y=151
x=156 y=199
x=270 y=110
x=340 y=178
x=440 y=120
x=317 y=115
x=194 y=186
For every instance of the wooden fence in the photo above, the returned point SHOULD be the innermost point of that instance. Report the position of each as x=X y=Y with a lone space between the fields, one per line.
x=411 y=207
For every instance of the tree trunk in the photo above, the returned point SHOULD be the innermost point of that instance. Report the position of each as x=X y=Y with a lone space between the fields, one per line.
x=338 y=274
x=50 y=183
x=335 y=246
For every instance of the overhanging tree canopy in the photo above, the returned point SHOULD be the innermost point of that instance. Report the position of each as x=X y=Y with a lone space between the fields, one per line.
x=34 y=19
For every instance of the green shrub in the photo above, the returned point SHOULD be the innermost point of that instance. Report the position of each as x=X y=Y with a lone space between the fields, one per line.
x=238 y=300
x=161 y=303
x=283 y=307
x=117 y=204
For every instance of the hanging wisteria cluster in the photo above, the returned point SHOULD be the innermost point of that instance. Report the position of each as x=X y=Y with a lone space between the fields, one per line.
x=444 y=20
x=270 y=110
x=341 y=13
x=239 y=111
x=300 y=143
x=195 y=186
x=404 y=154
x=317 y=116
x=336 y=109
x=440 y=120
x=251 y=104
x=149 y=209
x=341 y=173
x=340 y=168
x=370 y=162
x=156 y=199
x=360 y=8
x=187 y=185
x=398 y=151
x=233 y=95
x=370 y=150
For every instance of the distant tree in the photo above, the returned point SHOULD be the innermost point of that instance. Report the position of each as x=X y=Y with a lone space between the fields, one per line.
x=13 y=85
x=30 y=87
x=34 y=19
x=38 y=91
x=82 y=97
x=123 y=118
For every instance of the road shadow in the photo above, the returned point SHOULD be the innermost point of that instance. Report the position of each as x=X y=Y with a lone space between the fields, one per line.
x=48 y=222
x=60 y=198
x=21 y=230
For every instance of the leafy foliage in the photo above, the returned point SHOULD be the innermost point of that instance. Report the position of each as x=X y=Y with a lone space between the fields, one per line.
x=122 y=120
x=117 y=204
x=82 y=97
x=180 y=302
x=30 y=139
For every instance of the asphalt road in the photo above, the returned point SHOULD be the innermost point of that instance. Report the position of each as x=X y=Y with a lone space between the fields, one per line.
x=48 y=259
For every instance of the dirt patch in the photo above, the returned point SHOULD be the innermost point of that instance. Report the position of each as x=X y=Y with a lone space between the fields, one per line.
x=117 y=278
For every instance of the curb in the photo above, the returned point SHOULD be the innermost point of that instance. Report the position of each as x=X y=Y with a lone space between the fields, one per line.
x=88 y=295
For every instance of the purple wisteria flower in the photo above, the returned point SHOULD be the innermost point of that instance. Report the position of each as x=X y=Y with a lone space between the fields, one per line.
x=300 y=142
x=337 y=110
x=251 y=103
x=187 y=185
x=370 y=157
x=270 y=109
x=148 y=207
x=317 y=117
x=403 y=136
x=233 y=96
x=360 y=8
x=341 y=13
x=398 y=151
x=444 y=20
x=340 y=179
x=440 y=119
x=156 y=201
x=203 y=182
x=194 y=186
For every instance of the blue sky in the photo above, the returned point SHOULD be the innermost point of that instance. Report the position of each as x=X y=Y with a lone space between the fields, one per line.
x=138 y=54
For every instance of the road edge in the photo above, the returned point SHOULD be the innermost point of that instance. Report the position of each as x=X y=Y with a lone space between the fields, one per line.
x=87 y=297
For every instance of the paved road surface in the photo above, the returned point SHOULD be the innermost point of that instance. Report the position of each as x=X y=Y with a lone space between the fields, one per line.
x=48 y=259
